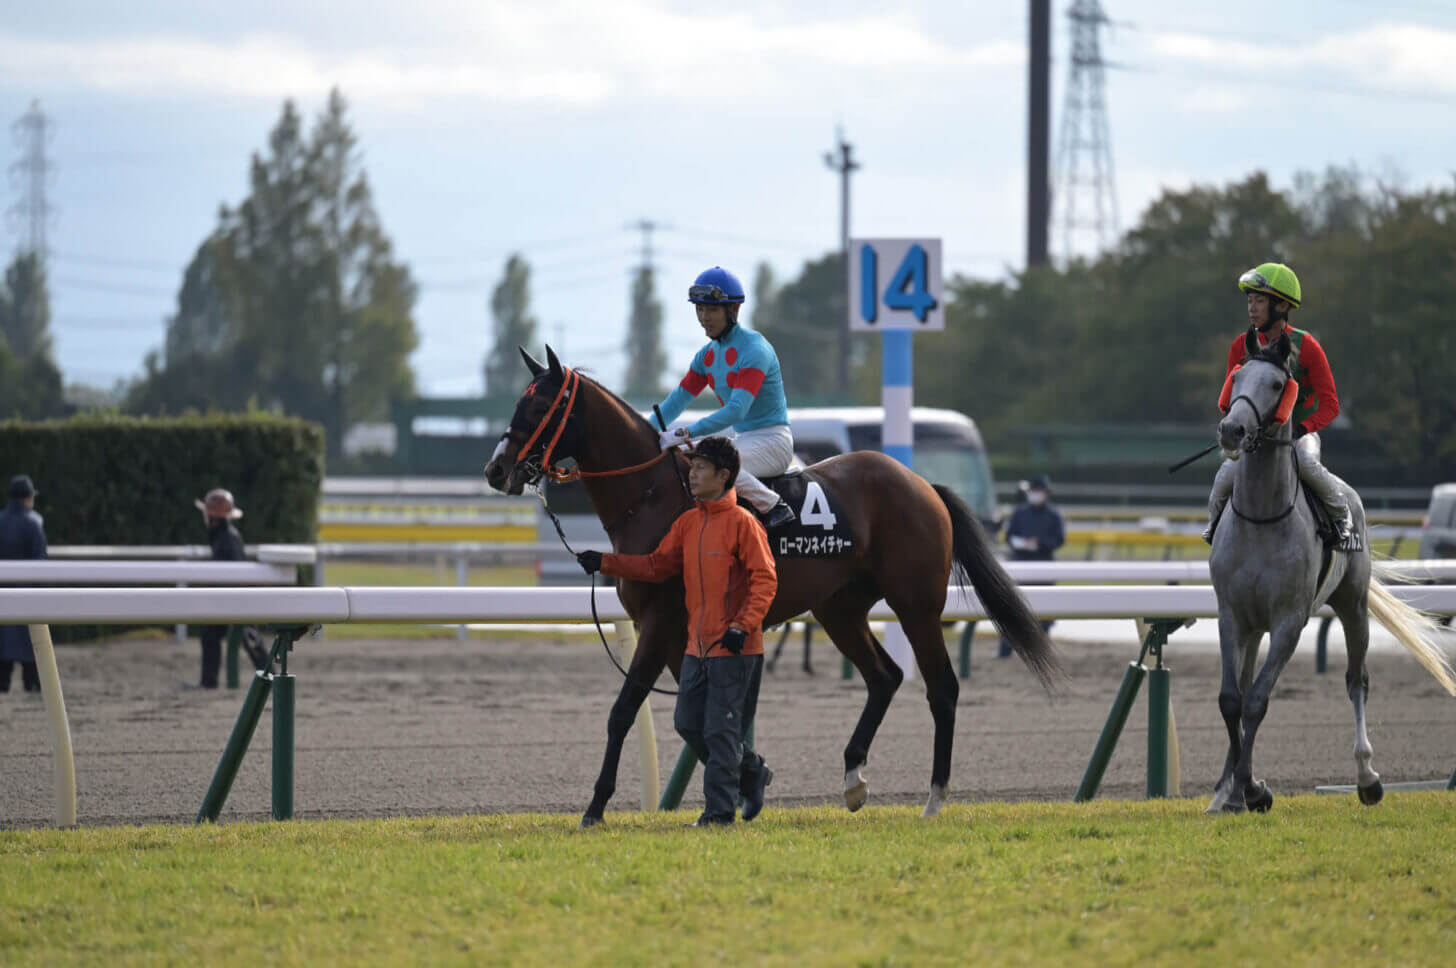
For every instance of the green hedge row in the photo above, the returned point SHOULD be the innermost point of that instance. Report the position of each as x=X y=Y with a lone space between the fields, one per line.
x=114 y=480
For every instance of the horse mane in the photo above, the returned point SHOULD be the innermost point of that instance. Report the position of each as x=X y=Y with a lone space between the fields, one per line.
x=620 y=404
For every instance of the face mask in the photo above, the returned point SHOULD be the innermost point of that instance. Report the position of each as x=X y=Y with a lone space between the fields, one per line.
x=1037 y=498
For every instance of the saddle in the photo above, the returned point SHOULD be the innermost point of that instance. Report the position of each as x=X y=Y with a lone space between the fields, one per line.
x=821 y=528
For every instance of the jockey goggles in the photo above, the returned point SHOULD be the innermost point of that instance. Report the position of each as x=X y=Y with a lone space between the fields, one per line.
x=710 y=294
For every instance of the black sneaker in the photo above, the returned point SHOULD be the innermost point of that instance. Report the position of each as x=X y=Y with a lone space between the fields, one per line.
x=753 y=796
x=712 y=820
x=779 y=516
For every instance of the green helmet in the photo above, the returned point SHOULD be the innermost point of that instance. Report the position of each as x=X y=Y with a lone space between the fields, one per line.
x=1274 y=279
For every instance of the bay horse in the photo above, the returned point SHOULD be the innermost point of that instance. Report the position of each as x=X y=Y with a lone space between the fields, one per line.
x=908 y=537
x=1266 y=566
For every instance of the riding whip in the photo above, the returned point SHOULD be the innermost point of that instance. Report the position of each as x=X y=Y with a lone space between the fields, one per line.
x=1188 y=460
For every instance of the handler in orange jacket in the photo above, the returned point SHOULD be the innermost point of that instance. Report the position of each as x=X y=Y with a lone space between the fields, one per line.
x=722 y=553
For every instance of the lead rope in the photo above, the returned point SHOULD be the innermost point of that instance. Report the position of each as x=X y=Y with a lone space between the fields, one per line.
x=556 y=522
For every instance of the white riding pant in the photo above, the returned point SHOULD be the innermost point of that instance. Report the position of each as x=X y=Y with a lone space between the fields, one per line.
x=1326 y=486
x=766 y=452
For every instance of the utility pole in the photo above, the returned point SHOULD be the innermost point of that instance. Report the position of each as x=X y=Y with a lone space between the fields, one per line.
x=32 y=211
x=647 y=226
x=1038 y=140
x=1084 y=132
x=645 y=356
x=842 y=161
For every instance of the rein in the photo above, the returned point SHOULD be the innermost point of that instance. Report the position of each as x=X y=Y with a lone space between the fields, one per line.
x=569 y=387
x=596 y=620
x=1263 y=437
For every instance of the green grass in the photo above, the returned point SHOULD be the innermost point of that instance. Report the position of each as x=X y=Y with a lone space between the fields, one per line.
x=1317 y=881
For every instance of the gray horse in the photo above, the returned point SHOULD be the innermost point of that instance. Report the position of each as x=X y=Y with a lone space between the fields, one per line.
x=1266 y=567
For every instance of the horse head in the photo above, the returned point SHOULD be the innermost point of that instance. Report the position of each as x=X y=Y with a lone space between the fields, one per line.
x=1264 y=384
x=520 y=457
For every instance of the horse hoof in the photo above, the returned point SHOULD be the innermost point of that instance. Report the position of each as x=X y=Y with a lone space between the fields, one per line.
x=1261 y=800
x=856 y=789
x=588 y=821
x=937 y=799
x=1370 y=795
x=1220 y=805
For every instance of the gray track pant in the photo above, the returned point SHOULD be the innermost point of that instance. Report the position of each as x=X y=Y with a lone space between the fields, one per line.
x=716 y=701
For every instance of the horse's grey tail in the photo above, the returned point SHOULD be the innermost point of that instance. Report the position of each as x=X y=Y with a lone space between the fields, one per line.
x=974 y=561
x=1416 y=630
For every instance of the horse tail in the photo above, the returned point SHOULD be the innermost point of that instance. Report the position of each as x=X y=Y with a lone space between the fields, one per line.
x=974 y=561
x=1416 y=630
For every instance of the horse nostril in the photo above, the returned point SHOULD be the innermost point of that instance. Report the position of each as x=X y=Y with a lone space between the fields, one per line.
x=1238 y=433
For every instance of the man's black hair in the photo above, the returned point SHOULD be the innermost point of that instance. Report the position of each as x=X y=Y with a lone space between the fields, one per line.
x=720 y=452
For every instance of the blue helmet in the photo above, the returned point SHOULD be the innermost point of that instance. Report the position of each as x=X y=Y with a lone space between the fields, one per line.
x=716 y=287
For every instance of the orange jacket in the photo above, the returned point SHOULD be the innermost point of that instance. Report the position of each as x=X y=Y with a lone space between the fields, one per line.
x=722 y=553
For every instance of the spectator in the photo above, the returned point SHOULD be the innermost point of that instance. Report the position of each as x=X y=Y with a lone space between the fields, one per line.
x=21 y=536
x=1035 y=532
x=218 y=513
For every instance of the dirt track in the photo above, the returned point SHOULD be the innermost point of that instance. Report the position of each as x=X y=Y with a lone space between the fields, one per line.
x=439 y=726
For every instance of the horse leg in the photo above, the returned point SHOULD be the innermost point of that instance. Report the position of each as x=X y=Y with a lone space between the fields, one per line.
x=647 y=664
x=1282 y=642
x=1355 y=619
x=845 y=618
x=1236 y=655
x=942 y=689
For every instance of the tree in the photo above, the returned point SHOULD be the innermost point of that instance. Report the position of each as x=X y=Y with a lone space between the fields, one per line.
x=645 y=356
x=295 y=300
x=801 y=319
x=510 y=309
x=30 y=383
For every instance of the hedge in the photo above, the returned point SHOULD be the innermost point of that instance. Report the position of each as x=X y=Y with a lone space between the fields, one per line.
x=114 y=480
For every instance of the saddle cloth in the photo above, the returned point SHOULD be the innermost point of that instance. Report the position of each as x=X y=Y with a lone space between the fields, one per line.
x=821 y=528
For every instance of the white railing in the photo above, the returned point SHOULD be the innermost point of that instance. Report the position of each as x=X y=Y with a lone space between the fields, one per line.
x=445 y=605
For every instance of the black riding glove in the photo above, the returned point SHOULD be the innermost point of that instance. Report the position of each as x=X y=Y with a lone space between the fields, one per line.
x=734 y=640
x=1299 y=431
x=590 y=561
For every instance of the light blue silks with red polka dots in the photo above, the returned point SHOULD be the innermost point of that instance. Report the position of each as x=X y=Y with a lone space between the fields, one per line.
x=743 y=366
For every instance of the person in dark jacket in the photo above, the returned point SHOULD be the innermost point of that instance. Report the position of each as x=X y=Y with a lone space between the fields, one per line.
x=1035 y=531
x=22 y=536
x=218 y=513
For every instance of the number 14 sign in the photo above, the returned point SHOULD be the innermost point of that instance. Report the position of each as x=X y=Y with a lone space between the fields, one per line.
x=895 y=284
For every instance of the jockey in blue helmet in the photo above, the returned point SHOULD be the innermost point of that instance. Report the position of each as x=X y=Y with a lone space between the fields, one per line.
x=743 y=371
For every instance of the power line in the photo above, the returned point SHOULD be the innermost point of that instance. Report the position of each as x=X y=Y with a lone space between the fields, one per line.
x=85 y=259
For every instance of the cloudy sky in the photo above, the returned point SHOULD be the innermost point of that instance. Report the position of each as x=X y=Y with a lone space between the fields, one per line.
x=547 y=127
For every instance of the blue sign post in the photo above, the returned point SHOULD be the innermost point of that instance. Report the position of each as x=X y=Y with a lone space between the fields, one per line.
x=895 y=287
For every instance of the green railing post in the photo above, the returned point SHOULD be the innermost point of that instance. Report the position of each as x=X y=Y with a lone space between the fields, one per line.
x=1132 y=679
x=846 y=669
x=237 y=745
x=283 y=708
x=967 y=634
x=1451 y=784
x=234 y=646
x=677 y=784
x=1158 y=705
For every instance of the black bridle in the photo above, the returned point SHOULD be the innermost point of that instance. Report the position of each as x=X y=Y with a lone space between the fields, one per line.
x=1263 y=435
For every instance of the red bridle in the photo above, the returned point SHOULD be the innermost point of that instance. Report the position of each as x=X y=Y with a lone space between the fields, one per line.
x=570 y=383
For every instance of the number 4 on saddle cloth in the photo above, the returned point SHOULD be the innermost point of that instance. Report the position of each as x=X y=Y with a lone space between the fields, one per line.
x=822 y=529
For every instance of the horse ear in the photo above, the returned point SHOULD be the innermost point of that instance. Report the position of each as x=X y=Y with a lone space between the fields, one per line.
x=553 y=362
x=1283 y=347
x=531 y=363
x=1251 y=344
